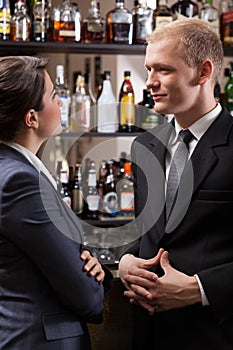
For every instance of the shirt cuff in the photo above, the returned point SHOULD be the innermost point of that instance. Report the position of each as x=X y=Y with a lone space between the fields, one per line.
x=204 y=299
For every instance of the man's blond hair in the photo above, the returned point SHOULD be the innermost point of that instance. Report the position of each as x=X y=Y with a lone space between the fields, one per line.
x=198 y=42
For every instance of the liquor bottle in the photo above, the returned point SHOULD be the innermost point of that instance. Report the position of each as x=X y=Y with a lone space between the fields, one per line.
x=65 y=193
x=125 y=191
x=64 y=94
x=119 y=24
x=110 y=198
x=226 y=23
x=80 y=107
x=57 y=175
x=210 y=14
x=142 y=21
x=103 y=170
x=93 y=112
x=92 y=196
x=39 y=20
x=217 y=91
x=162 y=14
x=146 y=117
x=229 y=92
x=107 y=118
x=20 y=23
x=67 y=22
x=185 y=8
x=127 y=108
x=77 y=202
x=5 y=20
x=93 y=26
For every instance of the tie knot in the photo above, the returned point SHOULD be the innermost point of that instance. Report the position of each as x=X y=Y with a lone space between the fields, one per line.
x=186 y=136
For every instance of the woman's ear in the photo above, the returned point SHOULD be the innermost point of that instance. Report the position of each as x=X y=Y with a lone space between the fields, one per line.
x=205 y=71
x=31 y=119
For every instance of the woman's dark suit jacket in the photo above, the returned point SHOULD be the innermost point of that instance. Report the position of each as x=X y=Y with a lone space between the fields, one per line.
x=46 y=298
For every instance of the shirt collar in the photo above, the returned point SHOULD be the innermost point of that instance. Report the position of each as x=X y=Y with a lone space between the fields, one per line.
x=34 y=160
x=201 y=125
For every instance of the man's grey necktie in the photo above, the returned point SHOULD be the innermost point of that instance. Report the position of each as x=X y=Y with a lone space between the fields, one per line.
x=177 y=166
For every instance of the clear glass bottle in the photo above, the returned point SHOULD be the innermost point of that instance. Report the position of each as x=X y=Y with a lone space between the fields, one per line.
x=107 y=119
x=92 y=197
x=162 y=14
x=142 y=21
x=210 y=14
x=93 y=26
x=127 y=107
x=65 y=193
x=119 y=24
x=80 y=117
x=110 y=197
x=5 y=20
x=125 y=191
x=39 y=20
x=64 y=94
x=77 y=201
x=67 y=22
x=93 y=112
x=185 y=8
x=20 y=23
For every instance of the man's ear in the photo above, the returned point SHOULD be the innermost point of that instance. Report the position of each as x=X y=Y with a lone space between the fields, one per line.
x=31 y=119
x=205 y=71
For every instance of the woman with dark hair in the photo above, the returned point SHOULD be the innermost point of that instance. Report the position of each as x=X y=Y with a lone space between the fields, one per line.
x=51 y=286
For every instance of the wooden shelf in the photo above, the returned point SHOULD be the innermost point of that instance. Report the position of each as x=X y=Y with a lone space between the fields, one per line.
x=34 y=48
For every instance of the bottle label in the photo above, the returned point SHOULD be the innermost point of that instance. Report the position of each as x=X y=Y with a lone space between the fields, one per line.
x=127 y=201
x=122 y=33
x=161 y=21
x=127 y=110
x=189 y=14
x=93 y=202
x=5 y=22
x=64 y=110
x=110 y=203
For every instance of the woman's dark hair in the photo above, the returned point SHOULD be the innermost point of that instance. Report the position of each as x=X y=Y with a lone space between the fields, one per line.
x=22 y=85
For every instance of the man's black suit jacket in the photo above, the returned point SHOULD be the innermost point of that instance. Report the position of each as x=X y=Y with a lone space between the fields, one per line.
x=198 y=236
x=45 y=296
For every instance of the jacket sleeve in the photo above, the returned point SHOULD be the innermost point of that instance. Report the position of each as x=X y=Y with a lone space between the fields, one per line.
x=33 y=220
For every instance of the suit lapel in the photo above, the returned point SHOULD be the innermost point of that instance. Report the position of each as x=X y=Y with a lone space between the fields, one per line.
x=205 y=157
x=202 y=162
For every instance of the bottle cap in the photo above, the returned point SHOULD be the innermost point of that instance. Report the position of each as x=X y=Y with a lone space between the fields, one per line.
x=127 y=73
x=60 y=70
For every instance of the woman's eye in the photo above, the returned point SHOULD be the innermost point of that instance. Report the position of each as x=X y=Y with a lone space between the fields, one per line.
x=54 y=94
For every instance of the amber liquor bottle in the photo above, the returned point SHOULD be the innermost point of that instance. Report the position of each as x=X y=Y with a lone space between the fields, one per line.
x=127 y=107
x=162 y=14
x=5 y=20
x=93 y=26
x=119 y=24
